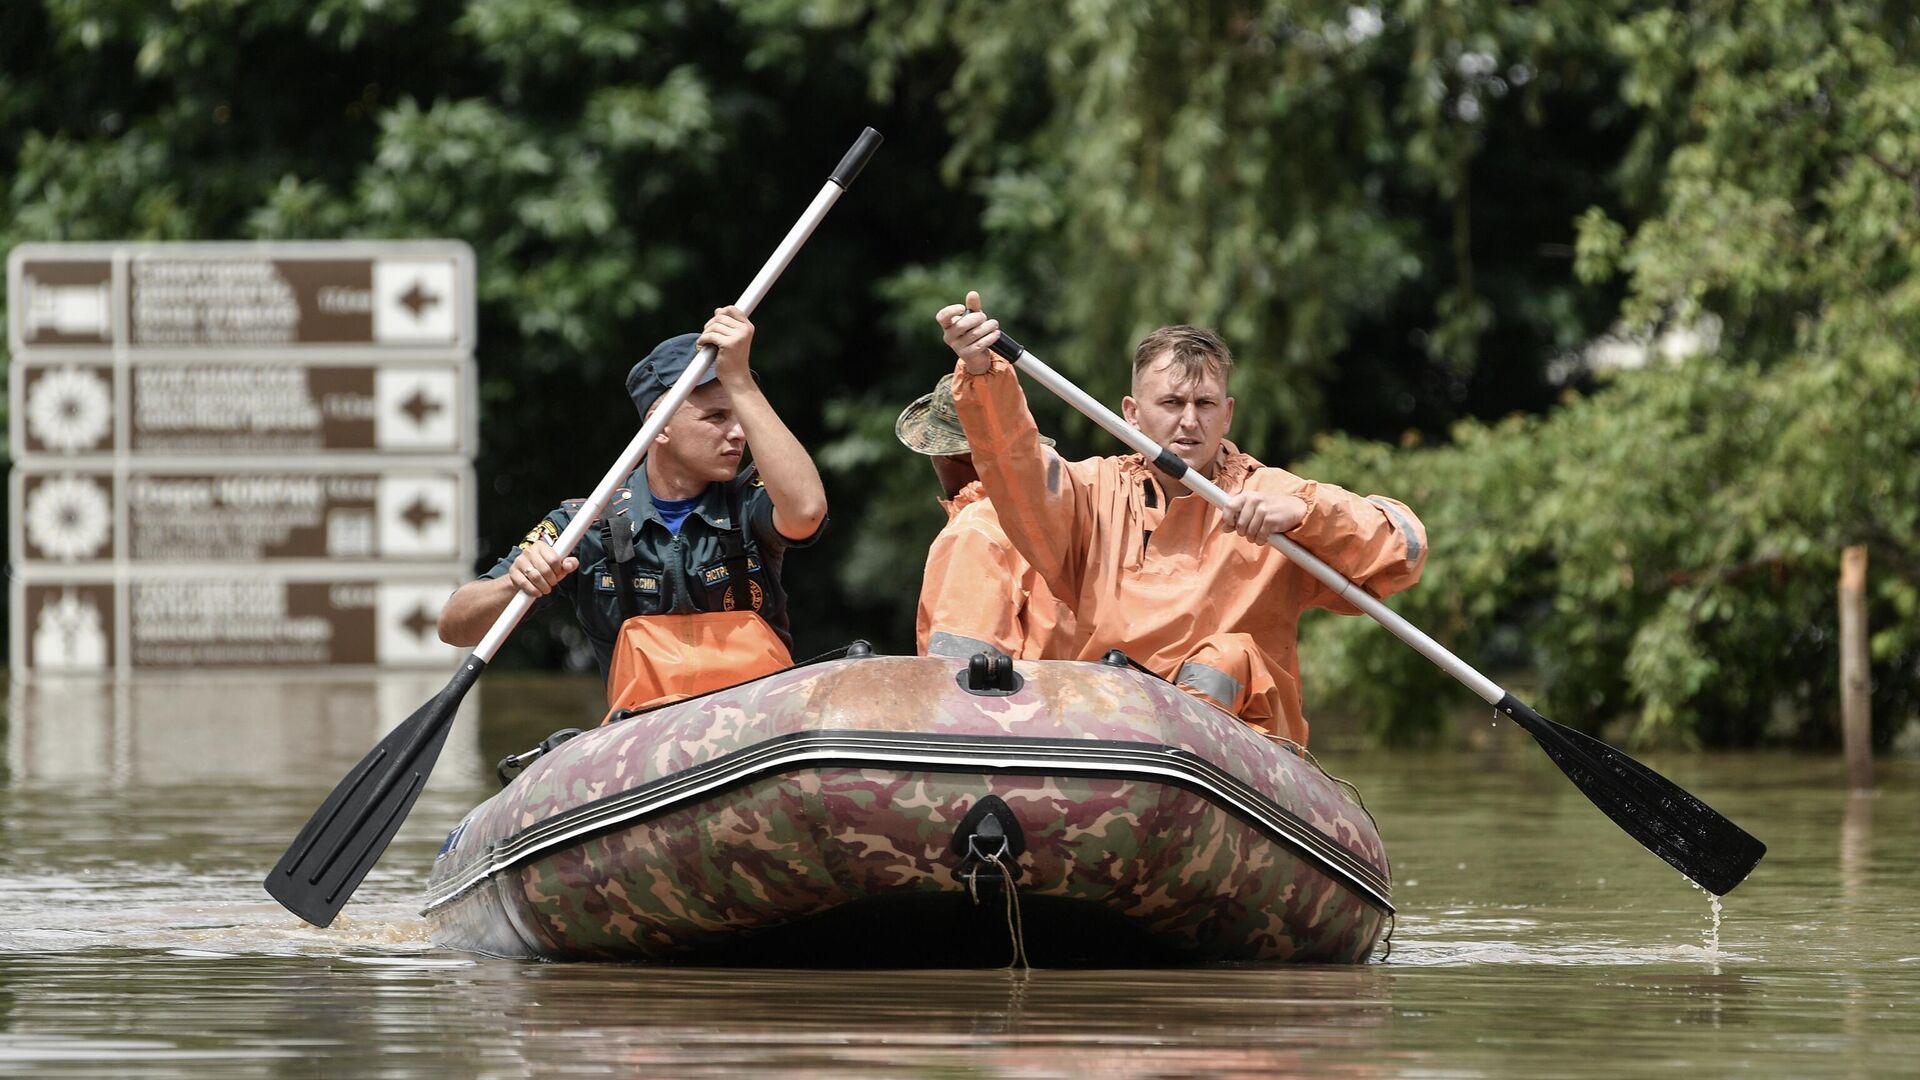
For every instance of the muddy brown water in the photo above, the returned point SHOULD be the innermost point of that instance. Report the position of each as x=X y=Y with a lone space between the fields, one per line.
x=1534 y=939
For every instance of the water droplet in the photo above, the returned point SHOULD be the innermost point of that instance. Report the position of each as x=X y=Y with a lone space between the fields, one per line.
x=1712 y=940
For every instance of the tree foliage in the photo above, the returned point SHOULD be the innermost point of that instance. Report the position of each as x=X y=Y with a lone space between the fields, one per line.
x=1299 y=175
x=1664 y=551
x=1667 y=549
x=1374 y=204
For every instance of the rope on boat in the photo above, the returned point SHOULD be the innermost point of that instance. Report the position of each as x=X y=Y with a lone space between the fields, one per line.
x=1345 y=785
x=1386 y=941
x=1016 y=929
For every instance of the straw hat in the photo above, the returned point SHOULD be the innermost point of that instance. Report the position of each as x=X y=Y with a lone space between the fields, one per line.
x=931 y=424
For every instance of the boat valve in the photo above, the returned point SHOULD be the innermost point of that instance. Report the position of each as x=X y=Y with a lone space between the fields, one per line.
x=510 y=766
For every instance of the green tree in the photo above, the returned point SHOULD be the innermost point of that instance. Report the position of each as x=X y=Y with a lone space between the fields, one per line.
x=1374 y=203
x=1666 y=550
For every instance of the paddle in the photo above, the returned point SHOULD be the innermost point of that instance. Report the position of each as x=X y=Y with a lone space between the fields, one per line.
x=1665 y=818
x=346 y=836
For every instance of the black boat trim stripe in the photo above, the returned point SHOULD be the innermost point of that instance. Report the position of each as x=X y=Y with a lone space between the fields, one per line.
x=928 y=753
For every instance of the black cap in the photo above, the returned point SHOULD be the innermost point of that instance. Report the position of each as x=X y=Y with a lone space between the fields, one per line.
x=661 y=369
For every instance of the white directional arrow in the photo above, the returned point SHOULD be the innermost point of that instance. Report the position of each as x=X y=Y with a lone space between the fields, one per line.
x=406 y=618
x=413 y=301
x=414 y=408
x=417 y=516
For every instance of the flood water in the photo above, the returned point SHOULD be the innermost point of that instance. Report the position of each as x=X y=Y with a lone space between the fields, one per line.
x=1534 y=938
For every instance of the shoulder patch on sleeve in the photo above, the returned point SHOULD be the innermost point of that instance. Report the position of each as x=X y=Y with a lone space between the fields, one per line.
x=546 y=530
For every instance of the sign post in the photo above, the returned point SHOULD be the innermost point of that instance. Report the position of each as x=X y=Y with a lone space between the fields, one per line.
x=239 y=455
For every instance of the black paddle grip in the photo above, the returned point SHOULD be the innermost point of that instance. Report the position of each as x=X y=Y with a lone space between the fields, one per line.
x=1519 y=711
x=1007 y=347
x=1169 y=462
x=856 y=159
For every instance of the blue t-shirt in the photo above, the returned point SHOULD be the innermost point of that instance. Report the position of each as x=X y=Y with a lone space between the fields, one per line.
x=674 y=511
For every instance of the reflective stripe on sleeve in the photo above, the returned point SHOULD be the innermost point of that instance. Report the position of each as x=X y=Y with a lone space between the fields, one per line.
x=1401 y=525
x=1212 y=682
x=941 y=643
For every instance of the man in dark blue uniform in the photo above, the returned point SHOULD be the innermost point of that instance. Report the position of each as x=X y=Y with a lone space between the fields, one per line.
x=689 y=533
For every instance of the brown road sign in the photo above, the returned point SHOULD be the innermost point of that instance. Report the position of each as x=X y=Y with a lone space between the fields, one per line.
x=193 y=515
x=69 y=408
x=156 y=622
x=210 y=297
x=241 y=413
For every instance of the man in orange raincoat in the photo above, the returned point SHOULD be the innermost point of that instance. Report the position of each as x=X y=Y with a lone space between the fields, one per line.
x=1195 y=594
x=977 y=593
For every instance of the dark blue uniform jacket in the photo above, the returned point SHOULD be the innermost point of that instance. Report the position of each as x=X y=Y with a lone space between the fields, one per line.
x=726 y=557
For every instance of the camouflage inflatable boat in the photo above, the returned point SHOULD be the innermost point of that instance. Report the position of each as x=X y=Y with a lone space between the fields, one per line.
x=920 y=811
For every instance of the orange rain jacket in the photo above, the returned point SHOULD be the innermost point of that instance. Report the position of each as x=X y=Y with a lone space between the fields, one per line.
x=979 y=592
x=1158 y=578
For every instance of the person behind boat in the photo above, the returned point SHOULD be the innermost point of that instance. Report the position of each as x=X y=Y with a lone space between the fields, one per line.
x=1195 y=594
x=977 y=592
x=681 y=591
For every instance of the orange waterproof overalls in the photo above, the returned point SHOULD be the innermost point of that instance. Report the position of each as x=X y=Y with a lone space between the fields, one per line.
x=1157 y=578
x=978 y=592
x=664 y=656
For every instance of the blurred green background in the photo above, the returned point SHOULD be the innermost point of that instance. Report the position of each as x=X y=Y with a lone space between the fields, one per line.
x=1621 y=297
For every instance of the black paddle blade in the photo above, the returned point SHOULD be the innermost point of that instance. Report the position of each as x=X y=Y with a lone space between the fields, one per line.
x=1667 y=819
x=346 y=836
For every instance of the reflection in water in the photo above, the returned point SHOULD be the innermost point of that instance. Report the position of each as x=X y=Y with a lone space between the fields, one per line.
x=1856 y=843
x=1220 y=1022
x=1534 y=940
x=62 y=729
x=161 y=730
x=180 y=1016
x=1856 y=860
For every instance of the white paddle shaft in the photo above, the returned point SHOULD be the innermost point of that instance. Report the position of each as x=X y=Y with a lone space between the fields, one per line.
x=596 y=503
